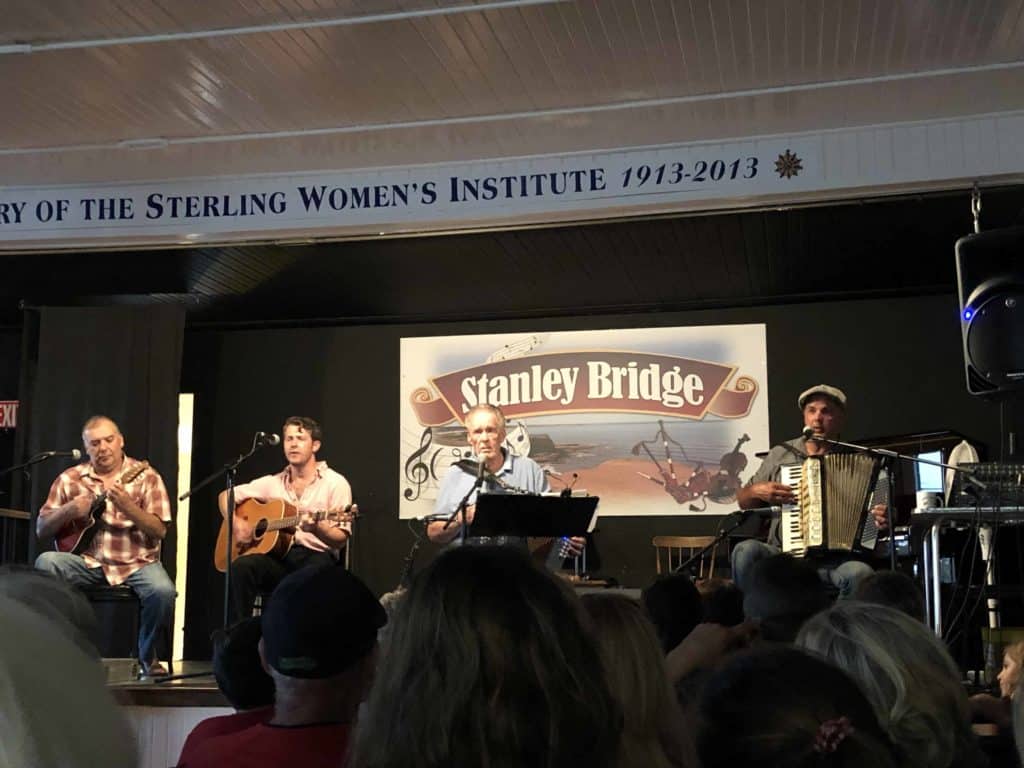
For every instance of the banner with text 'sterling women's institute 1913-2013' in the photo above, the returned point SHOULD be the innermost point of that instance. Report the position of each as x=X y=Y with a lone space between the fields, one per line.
x=654 y=421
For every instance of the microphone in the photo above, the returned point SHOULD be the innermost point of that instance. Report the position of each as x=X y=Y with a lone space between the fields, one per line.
x=481 y=471
x=264 y=438
x=567 y=491
x=809 y=434
x=763 y=512
x=73 y=454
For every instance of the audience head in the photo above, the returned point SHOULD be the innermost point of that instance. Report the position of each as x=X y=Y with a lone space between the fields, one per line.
x=783 y=592
x=55 y=709
x=489 y=663
x=674 y=606
x=779 y=706
x=237 y=667
x=907 y=675
x=53 y=597
x=895 y=589
x=723 y=602
x=1010 y=675
x=635 y=670
x=1018 y=720
x=320 y=624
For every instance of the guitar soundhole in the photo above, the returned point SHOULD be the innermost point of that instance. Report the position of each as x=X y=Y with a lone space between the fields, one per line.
x=260 y=529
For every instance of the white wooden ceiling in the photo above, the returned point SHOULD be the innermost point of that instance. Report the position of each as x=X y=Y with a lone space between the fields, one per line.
x=112 y=90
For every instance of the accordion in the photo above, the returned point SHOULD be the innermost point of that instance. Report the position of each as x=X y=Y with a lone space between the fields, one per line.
x=834 y=491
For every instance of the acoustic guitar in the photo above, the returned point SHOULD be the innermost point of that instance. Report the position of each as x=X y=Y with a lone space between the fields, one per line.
x=76 y=536
x=273 y=528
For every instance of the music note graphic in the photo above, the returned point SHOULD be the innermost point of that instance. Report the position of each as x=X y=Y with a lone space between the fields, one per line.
x=418 y=472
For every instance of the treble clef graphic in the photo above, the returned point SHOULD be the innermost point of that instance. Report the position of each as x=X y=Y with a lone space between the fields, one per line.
x=417 y=472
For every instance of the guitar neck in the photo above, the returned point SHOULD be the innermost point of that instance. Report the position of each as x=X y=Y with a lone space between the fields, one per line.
x=284 y=522
x=294 y=520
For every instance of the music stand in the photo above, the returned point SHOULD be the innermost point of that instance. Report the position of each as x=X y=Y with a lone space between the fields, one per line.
x=507 y=514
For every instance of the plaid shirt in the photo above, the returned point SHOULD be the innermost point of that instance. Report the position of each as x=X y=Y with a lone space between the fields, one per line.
x=119 y=547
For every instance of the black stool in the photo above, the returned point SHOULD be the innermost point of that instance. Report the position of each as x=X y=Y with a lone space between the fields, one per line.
x=117 y=613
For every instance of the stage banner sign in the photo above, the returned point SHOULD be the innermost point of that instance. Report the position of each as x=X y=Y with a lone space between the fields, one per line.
x=654 y=421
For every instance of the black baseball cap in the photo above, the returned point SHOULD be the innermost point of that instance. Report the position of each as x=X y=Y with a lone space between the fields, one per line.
x=319 y=621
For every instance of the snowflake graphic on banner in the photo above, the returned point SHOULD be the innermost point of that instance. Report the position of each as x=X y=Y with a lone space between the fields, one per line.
x=788 y=165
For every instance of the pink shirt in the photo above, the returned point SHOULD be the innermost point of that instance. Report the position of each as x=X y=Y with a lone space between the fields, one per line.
x=329 y=492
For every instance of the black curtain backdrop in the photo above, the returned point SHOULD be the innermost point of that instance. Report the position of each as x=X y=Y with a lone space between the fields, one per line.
x=122 y=362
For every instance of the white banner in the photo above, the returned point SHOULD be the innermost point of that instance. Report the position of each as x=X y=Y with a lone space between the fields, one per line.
x=661 y=421
x=413 y=197
x=513 y=191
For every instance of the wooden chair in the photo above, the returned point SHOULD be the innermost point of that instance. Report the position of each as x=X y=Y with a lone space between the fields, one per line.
x=678 y=549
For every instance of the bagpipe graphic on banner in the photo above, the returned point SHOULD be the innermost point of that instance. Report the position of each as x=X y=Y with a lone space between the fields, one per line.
x=655 y=421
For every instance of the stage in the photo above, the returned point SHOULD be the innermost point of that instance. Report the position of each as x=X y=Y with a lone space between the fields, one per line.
x=163 y=713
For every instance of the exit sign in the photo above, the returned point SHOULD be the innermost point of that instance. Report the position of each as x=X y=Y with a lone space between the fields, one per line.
x=8 y=414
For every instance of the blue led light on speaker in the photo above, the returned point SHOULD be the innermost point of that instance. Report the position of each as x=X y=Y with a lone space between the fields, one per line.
x=968 y=314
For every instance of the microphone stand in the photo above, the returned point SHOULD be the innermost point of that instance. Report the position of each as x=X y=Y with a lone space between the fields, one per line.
x=229 y=472
x=460 y=510
x=888 y=460
x=742 y=516
x=39 y=458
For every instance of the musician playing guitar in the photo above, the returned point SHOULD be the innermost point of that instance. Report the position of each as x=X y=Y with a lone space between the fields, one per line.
x=824 y=411
x=108 y=517
x=308 y=485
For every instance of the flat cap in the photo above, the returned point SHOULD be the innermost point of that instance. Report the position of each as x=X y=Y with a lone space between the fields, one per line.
x=821 y=389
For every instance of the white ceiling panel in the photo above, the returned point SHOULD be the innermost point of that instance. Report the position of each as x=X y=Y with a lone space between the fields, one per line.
x=247 y=86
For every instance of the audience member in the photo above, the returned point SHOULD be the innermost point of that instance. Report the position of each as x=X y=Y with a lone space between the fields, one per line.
x=489 y=664
x=907 y=675
x=779 y=707
x=1018 y=720
x=319 y=646
x=895 y=589
x=782 y=593
x=653 y=735
x=723 y=602
x=998 y=710
x=674 y=607
x=55 y=709
x=56 y=599
x=240 y=676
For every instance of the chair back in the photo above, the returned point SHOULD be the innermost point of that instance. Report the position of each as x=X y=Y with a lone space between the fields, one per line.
x=676 y=550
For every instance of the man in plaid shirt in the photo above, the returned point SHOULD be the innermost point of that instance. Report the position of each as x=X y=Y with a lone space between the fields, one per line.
x=126 y=545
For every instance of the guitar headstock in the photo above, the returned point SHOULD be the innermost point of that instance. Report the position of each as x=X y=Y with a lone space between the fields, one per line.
x=346 y=515
x=134 y=471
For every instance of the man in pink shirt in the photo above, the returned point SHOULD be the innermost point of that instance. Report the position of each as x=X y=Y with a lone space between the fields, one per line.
x=308 y=485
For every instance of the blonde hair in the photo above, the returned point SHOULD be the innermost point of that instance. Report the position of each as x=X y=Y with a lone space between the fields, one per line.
x=635 y=670
x=907 y=675
x=1015 y=652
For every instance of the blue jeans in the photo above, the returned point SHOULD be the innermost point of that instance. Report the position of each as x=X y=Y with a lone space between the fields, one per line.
x=844 y=576
x=151 y=583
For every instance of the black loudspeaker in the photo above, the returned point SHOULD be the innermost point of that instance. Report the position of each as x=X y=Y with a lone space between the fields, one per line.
x=990 y=283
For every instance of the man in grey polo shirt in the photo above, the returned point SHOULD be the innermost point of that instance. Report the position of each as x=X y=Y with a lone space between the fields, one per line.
x=824 y=411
